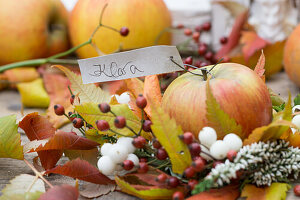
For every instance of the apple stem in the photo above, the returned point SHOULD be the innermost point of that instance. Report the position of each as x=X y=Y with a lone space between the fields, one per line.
x=204 y=73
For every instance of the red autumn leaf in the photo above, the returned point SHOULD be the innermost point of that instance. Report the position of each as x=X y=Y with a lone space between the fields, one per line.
x=82 y=170
x=252 y=43
x=115 y=87
x=230 y=192
x=260 y=66
x=37 y=127
x=64 y=140
x=65 y=192
x=57 y=87
x=234 y=37
x=152 y=90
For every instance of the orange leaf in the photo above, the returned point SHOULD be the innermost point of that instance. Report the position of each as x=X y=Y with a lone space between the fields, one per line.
x=23 y=74
x=38 y=127
x=135 y=86
x=132 y=104
x=252 y=43
x=152 y=90
x=65 y=192
x=230 y=192
x=57 y=87
x=234 y=37
x=81 y=170
x=116 y=87
x=294 y=139
x=260 y=66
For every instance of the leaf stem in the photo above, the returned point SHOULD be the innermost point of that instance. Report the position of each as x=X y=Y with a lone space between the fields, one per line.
x=38 y=173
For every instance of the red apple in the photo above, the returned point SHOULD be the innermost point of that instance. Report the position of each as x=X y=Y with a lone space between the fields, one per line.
x=241 y=93
x=31 y=29
x=145 y=20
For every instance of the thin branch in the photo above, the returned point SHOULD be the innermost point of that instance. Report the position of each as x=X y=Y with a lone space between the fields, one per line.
x=171 y=58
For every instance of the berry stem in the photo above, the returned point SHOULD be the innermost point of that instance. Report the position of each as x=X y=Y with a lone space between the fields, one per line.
x=142 y=121
x=70 y=90
x=132 y=130
x=171 y=58
x=82 y=131
x=115 y=132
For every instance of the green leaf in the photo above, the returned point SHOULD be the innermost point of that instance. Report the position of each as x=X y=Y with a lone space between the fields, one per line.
x=91 y=113
x=19 y=188
x=10 y=139
x=279 y=108
x=297 y=100
x=275 y=98
x=166 y=131
x=86 y=92
x=218 y=119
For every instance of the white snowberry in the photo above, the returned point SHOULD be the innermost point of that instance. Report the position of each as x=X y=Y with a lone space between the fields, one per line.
x=123 y=98
x=127 y=142
x=133 y=158
x=105 y=149
x=219 y=150
x=204 y=152
x=207 y=136
x=296 y=108
x=296 y=120
x=106 y=165
x=118 y=153
x=233 y=141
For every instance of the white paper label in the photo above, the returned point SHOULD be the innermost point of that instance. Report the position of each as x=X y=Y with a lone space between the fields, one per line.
x=130 y=64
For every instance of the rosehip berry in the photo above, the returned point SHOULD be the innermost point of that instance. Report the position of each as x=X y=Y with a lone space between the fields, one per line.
x=173 y=182
x=192 y=183
x=141 y=101
x=124 y=31
x=143 y=167
x=102 y=125
x=196 y=36
x=203 y=64
x=178 y=196
x=231 y=155
x=188 y=60
x=198 y=164
x=127 y=165
x=189 y=172
x=187 y=137
x=59 y=109
x=206 y=26
x=156 y=144
x=215 y=163
x=202 y=50
x=72 y=99
x=147 y=125
x=120 y=122
x=195 y=149
x=180 y=26
x=139 y=142
x=187 y=32
x=161 y=154
x=161 y=178
x=143 y=159
x=223 y=40
x=77 y=122
x=209 y=56
x=198 y=28
x=104 y=107
x=297 y=190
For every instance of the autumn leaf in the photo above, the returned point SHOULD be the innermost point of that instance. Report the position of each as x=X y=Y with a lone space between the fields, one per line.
x=10 y=139
x=33 y=94
x=65 y=192
x=132 y=104
x=61 y=141
x=233 y=7
x=275 y=98
x=294 y=139
x=86 y=92
x=230 y=192
x=276 y=191
x=251 y=43
x=234 y=37
x=152 y=89
x=166 y=131
x=57 y=87
x=37 y=127
x=81 y=170
x=150 y=192
x=89 y=155
x=260 y=66
x=93 y=134
x=91 y=113
x=22 y=74
x=218 y=119
x=92 y=190
x=18 y=189
x=135 y=86
x=115 y=87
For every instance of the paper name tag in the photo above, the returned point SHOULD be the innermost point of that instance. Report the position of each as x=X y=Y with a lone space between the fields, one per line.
x=130 y=64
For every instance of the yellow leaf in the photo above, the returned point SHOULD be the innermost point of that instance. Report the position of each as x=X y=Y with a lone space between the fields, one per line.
x=277 y=191
x=218 y=119
x=155 y=193
x=86 y=92
x=166 y=131
x=10 y=139
x=92 y=134
x=33 y=94
x=22 y=74
x=91 y=113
